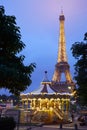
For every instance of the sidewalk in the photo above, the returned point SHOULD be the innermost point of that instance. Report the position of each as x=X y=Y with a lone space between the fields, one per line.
x=52 y=127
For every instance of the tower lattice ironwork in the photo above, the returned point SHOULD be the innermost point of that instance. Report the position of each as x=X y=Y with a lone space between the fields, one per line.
x=62 y=65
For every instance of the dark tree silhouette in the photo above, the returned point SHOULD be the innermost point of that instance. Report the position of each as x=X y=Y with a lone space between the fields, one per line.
x=79 y=51
x=14 y=75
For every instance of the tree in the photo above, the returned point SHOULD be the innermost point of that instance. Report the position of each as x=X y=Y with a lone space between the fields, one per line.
x=79 y=51
x=14 y=75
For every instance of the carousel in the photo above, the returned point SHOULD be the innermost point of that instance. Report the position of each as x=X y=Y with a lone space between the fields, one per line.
x=47 y=104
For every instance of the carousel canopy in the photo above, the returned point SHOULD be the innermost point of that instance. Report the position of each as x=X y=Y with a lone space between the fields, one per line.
x=44 y=88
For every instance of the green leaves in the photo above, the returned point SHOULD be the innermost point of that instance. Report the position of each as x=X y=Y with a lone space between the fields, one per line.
x=79 y=51
x=10 y=36
x=79 y=48
x=14 y=75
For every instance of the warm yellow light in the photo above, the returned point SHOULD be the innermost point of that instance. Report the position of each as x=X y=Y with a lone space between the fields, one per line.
x=69 y=87
x=39 y=99
x=38 y=109
x=51 y=109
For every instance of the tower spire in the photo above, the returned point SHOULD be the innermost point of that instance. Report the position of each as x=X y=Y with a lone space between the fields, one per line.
x=61 y=10
x=62 y=57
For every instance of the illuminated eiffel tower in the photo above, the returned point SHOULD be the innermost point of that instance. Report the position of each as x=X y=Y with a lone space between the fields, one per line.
x=62 y=66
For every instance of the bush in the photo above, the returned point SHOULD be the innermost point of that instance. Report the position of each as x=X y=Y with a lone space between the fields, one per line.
x=7 y=123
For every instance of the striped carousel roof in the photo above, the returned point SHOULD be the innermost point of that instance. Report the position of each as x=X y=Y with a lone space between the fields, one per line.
x=46 y=87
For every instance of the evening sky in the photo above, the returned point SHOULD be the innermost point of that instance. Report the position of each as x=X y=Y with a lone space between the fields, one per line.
x=39 y=25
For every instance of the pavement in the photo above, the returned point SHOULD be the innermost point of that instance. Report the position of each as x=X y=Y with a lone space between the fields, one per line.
x=52 y=127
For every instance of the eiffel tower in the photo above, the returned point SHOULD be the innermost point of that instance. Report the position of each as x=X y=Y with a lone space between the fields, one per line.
x=62 y=66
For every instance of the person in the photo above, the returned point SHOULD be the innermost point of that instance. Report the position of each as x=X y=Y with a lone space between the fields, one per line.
x=72 y=117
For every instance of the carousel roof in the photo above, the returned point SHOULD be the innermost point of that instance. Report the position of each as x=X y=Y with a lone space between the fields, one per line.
x=47 y=88
x=44 y=88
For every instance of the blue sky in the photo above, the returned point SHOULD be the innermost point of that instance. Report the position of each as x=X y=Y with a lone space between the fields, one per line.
x=39 y=25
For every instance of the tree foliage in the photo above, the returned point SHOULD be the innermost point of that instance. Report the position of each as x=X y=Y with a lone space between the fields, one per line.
x=14 y=75
x=79 y=51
